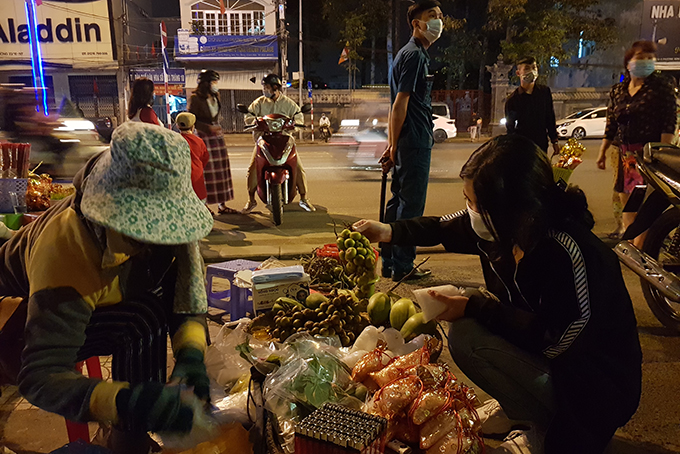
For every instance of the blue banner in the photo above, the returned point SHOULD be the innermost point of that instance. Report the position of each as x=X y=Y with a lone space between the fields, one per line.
x=225 y=47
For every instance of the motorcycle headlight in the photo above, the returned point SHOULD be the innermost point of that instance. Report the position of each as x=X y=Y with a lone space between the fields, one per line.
x=275 y=125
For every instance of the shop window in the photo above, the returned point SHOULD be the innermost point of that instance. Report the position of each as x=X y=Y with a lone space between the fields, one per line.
x=240 y=18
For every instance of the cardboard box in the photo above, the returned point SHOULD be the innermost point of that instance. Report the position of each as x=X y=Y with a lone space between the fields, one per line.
x=266 y=294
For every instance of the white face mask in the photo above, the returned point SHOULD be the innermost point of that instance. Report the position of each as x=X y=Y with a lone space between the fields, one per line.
x=434 y=30
x=214 y=88
x=478 y=225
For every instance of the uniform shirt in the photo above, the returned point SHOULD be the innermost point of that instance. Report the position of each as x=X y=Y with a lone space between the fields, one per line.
x=410 y=75
x=532 y=115
x=644 y=117
x=283 y=106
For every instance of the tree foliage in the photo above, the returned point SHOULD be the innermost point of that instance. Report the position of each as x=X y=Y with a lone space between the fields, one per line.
x=463 y=49
x=547 y=29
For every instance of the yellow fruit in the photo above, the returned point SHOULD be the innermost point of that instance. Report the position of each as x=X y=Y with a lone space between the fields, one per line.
x=341 y=254
x=314 y=300
x=356 y=236
x=341 y=244
x=345 y=233
x=349 y=242
x=415 y=326
x=350 y=253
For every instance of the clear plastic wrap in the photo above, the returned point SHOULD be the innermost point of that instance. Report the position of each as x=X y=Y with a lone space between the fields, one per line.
x=400 y=364
x=437 y=427
x=395 y=397
x=429 y=404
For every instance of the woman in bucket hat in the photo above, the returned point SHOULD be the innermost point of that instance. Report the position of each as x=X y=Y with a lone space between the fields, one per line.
x=111 y=270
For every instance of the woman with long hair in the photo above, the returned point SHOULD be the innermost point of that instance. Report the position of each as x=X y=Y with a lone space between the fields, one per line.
x=205 y=105
x=553 y=337
x=642 y=109
x=141 y=100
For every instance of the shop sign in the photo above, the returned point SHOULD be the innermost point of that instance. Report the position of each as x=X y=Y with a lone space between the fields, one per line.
x=71 y=32
x=225 y=47
x=176 y=79
x=661 y=24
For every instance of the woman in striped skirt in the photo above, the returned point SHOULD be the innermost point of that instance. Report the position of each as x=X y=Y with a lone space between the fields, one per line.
x=205 y=104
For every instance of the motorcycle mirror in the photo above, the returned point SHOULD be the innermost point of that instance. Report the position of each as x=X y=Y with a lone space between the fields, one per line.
x=242 y=108
x=306 y=108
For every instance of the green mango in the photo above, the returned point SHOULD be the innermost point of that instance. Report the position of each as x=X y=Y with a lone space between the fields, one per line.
x=314 y=300
x=415 y=326
x=401 y=311
x=378 y=308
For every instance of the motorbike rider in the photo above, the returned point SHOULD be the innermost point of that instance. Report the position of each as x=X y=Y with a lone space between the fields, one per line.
x=273 y=101
x=325 y=122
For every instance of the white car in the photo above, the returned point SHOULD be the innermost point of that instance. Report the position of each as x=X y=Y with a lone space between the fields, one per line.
x=588 y=123
x=444 y=128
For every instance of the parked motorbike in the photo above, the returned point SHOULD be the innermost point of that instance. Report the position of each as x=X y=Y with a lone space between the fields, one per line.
x=325 y=133
x=658 y=213
x=276 y=159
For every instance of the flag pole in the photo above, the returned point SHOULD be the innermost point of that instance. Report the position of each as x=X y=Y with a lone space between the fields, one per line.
x=164 y=42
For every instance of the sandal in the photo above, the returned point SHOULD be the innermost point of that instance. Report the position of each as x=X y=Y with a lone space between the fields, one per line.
x=223 y=209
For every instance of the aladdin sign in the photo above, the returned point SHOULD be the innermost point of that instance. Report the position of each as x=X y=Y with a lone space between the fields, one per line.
x=72 y=33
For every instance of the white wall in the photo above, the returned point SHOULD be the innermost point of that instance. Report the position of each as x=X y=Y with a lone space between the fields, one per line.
x=269 y=14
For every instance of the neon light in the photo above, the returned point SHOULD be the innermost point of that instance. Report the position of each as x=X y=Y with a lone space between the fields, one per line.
x=36 y=57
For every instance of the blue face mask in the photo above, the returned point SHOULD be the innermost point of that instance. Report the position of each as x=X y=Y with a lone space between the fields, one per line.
x=641 y=68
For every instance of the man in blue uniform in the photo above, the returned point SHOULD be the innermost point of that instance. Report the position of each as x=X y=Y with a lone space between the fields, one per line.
x=410 y=133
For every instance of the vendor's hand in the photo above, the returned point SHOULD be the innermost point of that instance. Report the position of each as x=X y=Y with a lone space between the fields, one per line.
x=190 y=370
x=375 y=231
x=602 y=161
x=387 y=159
x=455 y=306
x=153 y=407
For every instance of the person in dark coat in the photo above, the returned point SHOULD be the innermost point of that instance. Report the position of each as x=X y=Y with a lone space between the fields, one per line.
x=554 y=338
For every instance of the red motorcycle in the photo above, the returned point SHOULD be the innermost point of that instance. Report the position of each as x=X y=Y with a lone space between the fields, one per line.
x=276 y=160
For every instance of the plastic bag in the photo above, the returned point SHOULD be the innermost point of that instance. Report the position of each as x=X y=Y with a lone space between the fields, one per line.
x=399 y=365
x=313 y=375
x=395 y=397
x=371 y=362
x=435 y=429
x=429 y=404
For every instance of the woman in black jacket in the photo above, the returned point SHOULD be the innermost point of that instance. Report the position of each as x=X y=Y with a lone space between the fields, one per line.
x=554 y=339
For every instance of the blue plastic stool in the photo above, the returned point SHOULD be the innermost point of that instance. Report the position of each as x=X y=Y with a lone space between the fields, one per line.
x=236 y=301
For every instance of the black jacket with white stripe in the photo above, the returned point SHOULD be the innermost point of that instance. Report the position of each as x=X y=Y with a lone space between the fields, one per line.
x=567 y=300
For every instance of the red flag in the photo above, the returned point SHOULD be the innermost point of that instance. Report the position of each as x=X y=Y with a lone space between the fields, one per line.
x=164 y=35
x=153 y=49
x=344 y=56
x=222 y=8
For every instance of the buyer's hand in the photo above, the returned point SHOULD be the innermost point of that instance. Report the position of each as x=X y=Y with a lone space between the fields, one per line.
x=375 y=231
x=556 y=149
x=455 y=306
x=154 y=407
x=602 y=161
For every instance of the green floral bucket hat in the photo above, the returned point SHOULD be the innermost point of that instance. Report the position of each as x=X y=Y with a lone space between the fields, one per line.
x=142 y=187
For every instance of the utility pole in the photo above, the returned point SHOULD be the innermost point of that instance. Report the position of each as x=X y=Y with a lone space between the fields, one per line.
x=283 y=43
x=300 y=71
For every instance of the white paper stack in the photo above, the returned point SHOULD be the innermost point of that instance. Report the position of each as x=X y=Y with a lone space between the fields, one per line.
x=431 y=307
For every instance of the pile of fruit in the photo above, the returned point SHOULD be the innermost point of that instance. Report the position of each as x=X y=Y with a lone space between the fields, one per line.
x=325 y=273
x=338 y=314
x=359 y=260
x=401 y=315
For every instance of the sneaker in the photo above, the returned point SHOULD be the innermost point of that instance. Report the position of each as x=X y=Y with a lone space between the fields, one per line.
x=386 y=273
x=493 y=419
x=419 y=274
x=250 y=206
x=304 y=203
x=521 y=442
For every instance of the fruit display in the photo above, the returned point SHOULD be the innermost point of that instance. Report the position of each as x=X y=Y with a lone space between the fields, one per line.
x=335 y=315
x=359 y=261
x=325 y=273
x=402 y=315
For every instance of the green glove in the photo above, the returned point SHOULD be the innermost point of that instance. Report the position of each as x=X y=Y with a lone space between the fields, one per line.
x=153 y=407
x=190 y=370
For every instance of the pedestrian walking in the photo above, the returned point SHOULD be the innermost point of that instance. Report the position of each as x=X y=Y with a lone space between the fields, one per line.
x=529 y=109
x=642 y=109
x=205 y=104
x=410 y=133
x=479 y=127
x=141 y=99
x=185 y=122
x=473 y=128
x=112 y=270
x=552 y=336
